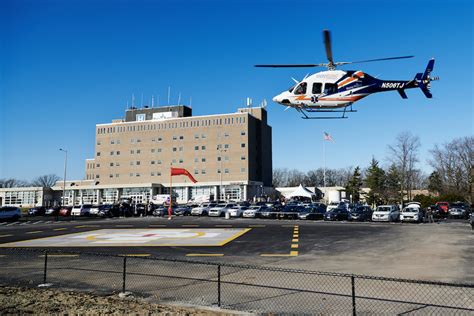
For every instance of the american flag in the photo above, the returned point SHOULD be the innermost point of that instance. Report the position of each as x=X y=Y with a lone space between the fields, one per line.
x=327 y=137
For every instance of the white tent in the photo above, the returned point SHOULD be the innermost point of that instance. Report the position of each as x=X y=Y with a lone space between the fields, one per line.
x=302 y=191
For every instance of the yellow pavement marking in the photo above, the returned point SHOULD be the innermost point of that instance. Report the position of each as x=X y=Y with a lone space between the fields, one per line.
x=60 y=229
x=60 y=255
x=235 y=236
x=135 y=255
x=224 y=226
x=294 y=240
x=291 y=254
x=34 y=232
x=5 y=235
x=293 y=246
x=295 y=235
x=257 y=226
x=90 y=238
x=81 y=226
x=190 y=225
x=205 y=255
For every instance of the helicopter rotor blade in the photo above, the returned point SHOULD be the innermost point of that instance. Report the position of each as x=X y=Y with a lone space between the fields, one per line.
x=327 y=44
x=296 y=81
x=290 y=65
x=371 y=60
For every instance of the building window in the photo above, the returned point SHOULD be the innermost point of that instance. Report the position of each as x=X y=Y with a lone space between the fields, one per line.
x=226 y=146
x=242 y=169
x=137 y=175
x=97 y=176
x=98 y=154
x=111 y=153
x=153 y=150
x=98 y=143
x=131 y=174
x=203 y=171
x=181 y=161
x=140 y=117
x=174 y=161
x=132 y=152
x=174 y=148
x=117 y=164
x=158 y=150
x=111 y=164
x=196 y=159
x=118 y=152
x=160 y=139
x=175 y=137
x=218 y=170
x=226 y=170
x=242 y=133
x=112 y=142
x=159 y=162
x=131 y=163
x=181 y=148
x=242 y=158
x=196 y=147
x=138 y=151
x=117 y=175
x=203 y=147
x=152 y=162
x=181 y=137
x=242 y=145
x=226 y=158
x=203 y=160
x=98 y=165
x=196 y=136
x=138 y=163
x=226 y=134
x=117 y=141
x=203 y=135
x=111 y=175
x=219 y=158
x=196 y=171
x=152 y=174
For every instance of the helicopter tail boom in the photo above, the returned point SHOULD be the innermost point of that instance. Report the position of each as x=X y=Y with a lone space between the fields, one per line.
x=423 y=80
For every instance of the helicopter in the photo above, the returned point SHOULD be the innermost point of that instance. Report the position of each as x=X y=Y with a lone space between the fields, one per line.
x=335 y=91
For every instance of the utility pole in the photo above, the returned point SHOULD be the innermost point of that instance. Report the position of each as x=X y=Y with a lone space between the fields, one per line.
x=64 y=180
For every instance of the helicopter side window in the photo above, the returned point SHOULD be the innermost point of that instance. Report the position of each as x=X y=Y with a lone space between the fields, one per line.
x=301 y=89
x=330 y=88
x=317 y=87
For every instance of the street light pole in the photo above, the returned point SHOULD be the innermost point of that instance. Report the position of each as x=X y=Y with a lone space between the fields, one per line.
x=219 y=148
x=64 y=180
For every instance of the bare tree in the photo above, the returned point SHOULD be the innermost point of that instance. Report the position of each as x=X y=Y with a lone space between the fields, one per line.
x=404 y=154
x=12 y=183
x=45 y=181
x=280 y=177
x=453 y=162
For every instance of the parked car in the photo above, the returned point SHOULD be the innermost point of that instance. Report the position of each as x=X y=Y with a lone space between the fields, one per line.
x=471 y=220
x=94 y=211
x=360 y=213
x=386 y=213
x=52 y=211
x=108 y=210
x=270 y=212
x=10 y=213
x=81 y=210
x=238 y=210
x=254 y=210
x=139 y=209
x=182 y=211
x=313 y=212
x=338 y=214
x=291 y=211
x=412 y=213
x=160 y=211
x=220 y=209
x=37 y=211
x=459 y=210
x=202 y=209
x=443 y=209
x=275 y=206
x=65 y=211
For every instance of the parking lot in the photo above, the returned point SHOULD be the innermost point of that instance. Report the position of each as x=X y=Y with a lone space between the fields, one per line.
x=443 y=251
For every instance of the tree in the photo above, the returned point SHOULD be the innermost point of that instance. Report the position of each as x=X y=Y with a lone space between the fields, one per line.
x=45 y=181
x=404 y=154
x=375 y=180
x=453 y=162
x=354 y=185
x=280 y=177
x=394 y=192
x=12 y=183
x=435 y=184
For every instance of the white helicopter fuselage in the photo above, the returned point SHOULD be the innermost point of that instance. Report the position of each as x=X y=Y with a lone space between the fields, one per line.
x=326 y=89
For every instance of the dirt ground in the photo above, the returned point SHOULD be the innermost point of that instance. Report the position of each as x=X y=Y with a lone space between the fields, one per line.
x=20 y=301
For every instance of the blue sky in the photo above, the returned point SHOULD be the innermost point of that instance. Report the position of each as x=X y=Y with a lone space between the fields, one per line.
x=67 y=65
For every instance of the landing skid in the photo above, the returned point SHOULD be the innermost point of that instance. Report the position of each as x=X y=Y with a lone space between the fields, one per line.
x=308 y=117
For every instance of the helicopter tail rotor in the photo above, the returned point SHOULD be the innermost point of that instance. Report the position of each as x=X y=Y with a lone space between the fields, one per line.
x=424 y=79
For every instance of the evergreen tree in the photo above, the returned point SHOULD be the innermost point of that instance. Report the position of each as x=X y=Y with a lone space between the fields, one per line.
x=354 y=184
x=435 y=184
x=393 y=192
x=375 y=180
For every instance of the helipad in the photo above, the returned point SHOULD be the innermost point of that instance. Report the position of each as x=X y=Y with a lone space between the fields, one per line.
x=197 y=237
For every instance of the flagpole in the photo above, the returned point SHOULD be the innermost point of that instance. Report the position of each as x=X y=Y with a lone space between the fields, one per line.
x=324 y=161
x=170 y=209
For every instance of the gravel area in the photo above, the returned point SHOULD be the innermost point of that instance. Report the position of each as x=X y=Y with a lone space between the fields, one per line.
x=20 y=301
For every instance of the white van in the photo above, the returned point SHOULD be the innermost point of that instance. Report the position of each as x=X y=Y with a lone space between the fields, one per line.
x=81 y=210
x=412 y=213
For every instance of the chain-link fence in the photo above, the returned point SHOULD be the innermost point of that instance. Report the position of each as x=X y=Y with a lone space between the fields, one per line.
x=238 y=287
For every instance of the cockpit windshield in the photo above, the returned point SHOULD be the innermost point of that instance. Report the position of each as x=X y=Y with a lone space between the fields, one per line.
x=301 y=88
x=291 y=88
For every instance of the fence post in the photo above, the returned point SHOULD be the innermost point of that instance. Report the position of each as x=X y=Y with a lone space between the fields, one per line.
x=45 y=266
x=219 y=285
x=353 y=296
x=124 y=273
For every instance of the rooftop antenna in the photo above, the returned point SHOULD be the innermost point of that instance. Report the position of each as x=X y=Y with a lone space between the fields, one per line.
x=249 y=102
x=133 y=100
x=152 y=101
x=127 y=106
x=141 y=105
x=190 y=102
x=179 y=98
x=158 y=100
x=169 y=92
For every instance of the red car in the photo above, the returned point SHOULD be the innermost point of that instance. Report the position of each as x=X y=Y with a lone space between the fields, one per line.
x=443 y=208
